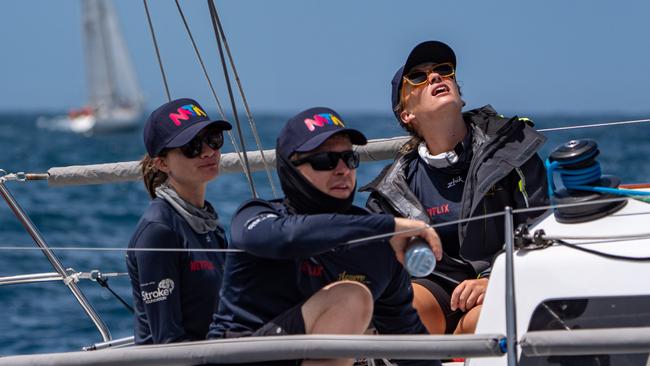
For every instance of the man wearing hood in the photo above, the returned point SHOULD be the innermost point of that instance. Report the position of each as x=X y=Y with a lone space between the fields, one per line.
x=296 y=273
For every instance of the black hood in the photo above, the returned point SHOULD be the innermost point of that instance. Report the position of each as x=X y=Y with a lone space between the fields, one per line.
x=302 y=197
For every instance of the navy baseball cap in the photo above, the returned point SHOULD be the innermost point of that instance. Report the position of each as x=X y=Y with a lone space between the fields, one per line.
x=175 y=123
x=429 y=51
x=310 y=128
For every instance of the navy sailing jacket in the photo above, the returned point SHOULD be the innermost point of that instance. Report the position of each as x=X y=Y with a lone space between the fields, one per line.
x=175 y=292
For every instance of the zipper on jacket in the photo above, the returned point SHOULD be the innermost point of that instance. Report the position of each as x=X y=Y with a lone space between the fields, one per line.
x=522 y=186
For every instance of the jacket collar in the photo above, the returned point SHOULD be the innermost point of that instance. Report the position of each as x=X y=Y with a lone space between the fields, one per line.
x=482 y=126
x=487 y=125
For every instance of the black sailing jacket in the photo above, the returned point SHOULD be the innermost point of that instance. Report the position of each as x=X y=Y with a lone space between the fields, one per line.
x=505 y=171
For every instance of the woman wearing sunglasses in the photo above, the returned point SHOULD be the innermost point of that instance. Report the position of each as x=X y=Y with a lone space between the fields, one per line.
x=456 y=166
x=175 y=290
x=298 y=274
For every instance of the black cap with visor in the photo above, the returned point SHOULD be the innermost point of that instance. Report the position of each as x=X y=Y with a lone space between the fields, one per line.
x=429 y=51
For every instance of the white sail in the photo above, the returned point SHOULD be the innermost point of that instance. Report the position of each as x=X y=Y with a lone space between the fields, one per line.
x=114 y=98
x=110 y=73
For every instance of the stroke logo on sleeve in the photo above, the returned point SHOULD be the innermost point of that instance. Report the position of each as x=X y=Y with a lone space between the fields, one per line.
x=165 y=288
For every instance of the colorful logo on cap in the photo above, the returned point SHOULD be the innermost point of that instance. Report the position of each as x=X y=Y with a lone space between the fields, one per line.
x=185 y=112
x=322 y=119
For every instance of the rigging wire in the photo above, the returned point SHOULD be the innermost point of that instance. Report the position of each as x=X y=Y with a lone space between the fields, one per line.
x=246 y=166
x=593 y=125
x=155 y=44
x=207 y=77
x=249 y=115
x=103 y=282
x=198 y=55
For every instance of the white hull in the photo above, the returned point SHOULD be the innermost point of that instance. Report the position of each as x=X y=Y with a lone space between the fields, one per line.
x=118 y=120
x=558 y=272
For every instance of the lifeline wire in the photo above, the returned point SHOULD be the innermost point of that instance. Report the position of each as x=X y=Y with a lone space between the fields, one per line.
x=207 y=77
x=91 y=249
x=155 y=44
x=246 y=167
x=389 y=235
x=380 y=236
x=361 y=240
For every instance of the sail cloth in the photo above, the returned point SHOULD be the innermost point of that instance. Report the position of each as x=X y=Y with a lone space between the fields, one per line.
x=109 y=72
x=375 y=150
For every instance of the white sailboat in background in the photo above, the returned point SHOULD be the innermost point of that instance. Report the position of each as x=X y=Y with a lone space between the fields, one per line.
x=115 y=101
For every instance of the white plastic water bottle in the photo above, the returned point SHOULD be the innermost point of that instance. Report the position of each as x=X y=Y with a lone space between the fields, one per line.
x=419 y=260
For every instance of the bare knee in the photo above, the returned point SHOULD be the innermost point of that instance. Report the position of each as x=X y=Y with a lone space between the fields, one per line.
x=343 y=307
x=349 y=294
x=351 y=297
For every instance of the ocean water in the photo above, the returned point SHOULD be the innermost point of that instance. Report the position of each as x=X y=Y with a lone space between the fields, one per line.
x=39 y=318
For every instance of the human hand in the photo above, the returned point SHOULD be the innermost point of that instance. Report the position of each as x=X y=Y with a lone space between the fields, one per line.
x=469 y=294
x=399 y=242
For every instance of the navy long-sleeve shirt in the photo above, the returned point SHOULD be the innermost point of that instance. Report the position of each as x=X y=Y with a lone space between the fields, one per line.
x=261 y=282
x=175 y=292
x=375 y=265
x=289 y=257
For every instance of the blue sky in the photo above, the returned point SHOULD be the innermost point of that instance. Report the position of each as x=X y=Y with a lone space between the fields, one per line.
x=552 y=56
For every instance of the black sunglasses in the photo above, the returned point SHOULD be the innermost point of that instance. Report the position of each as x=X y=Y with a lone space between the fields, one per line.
x=329 y=160
x=212 y=138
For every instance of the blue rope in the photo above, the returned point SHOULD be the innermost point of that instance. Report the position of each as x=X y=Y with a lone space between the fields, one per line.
x=583 y=178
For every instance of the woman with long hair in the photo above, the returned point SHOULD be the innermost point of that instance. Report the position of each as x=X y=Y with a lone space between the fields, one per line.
x=175 y=289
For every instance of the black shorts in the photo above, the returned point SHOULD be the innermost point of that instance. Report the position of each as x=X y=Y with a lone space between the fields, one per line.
x=442 y=293
x=290 y=322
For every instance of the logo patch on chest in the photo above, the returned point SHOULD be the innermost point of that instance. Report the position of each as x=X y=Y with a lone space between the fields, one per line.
x=438 y=210
x=455 y=181
x=345 y=276
x=311 y=269
x=201 y=266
